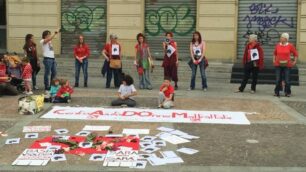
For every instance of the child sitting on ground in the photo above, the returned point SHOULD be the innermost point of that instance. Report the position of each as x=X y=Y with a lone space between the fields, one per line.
x=166 y=95
x=27 y=75
x=55 y=86
x=126 y=92
x=63 y=95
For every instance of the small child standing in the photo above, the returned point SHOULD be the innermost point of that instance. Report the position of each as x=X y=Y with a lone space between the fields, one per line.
x=55 y=86
x=27 y=75
x=63 y=95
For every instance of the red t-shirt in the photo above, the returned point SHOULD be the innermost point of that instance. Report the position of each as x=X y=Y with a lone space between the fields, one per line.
x=81 y=51
x=2 y=72
x=63 y=90
x=283 y=53
x=169 y=91
x=27 y=71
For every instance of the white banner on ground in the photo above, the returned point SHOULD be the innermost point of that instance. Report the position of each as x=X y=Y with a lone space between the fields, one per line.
x=147 y=115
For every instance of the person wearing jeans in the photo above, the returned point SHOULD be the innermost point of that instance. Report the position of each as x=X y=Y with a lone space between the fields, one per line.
x=49 y=57
x=81 y=54
x=283 y=64
x=253 y=61
x=197 y=50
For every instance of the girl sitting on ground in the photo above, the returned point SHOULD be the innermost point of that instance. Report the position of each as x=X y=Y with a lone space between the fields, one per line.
x=55 y=86
x=126 y=92
x=64 y=93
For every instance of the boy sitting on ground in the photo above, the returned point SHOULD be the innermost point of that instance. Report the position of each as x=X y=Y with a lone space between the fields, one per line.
x=166 y=94
x=63 y=95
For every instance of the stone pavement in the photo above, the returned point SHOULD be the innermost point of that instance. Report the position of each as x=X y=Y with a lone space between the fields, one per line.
x=278 y=124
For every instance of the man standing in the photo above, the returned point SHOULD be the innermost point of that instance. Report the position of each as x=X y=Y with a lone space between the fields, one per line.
x=49 y=58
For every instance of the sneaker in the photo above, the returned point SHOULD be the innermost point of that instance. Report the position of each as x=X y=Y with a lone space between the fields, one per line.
x=287 y=95
x=85 y=85
x=69 y=100
x=204 y=89
x=252 y=92
x=190 y=89
x=176 y=87
x=238 y=91
x=35 y=88
x=76 y=85
x=29 y=93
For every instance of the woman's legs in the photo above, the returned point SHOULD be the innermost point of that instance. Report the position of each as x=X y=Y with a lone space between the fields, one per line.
x=77 y=72
x=193 y=75
x=203 y=74
x=85 y=71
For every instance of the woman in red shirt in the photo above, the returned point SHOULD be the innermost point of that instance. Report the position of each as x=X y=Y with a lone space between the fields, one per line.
x=283 y=63
x=170 y=62
x=253 y=61
x=81 y=54
x=112 y=51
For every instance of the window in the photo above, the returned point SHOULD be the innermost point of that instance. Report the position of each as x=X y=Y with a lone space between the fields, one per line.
x=2 y=26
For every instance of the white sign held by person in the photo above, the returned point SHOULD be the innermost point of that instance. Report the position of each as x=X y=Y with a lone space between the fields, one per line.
x=147 y=115
x=254 y=54
x=115 y=50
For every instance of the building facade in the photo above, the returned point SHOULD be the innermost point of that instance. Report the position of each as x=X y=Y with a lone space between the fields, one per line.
x=224 y=24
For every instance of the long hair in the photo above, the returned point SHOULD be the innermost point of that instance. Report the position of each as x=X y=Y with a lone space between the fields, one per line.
x=28 y=41
x=200 y=37
x=79 y=43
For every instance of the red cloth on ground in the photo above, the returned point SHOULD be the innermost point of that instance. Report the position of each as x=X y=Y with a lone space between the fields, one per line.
x=81 y=51
x=63 y=90
x=247 y=55
x=283 y=52
x=133 y=145
x=169 y=91
x=27 y=71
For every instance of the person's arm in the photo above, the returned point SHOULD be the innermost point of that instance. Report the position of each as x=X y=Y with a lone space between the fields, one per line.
x=164 y=47
x=136 y=52
x=134 y=93
x=169 y=98
x=52 y=37
x=295 y=54
x=87 y=51
x=203 y=50
x=120 y=51
x=177 y=54
x=149 y=53
x=275 y=54
x=104 y=53
x=191 y=52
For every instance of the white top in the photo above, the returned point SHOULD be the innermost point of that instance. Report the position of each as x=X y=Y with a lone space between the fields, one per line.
x=197 y=49
x=125 y=89
x=47 y=49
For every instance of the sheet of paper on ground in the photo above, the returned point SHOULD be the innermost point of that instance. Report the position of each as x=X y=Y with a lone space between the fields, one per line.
x=147 y=115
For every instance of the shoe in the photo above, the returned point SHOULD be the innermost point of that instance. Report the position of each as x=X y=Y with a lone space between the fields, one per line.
x=238 y=91
x=85 y=85
x=252 y=92
x=276 y=95
x=25 y=92
x=35 y=88
x=287 y=95
x=76 y=85
x=176 y=87
x=69 y=100
x=29 y=93
x=190 y=89
x=204 y=89
x=149 y=88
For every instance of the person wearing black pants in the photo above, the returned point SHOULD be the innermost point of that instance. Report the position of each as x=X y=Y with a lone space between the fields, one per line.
x=253 y=62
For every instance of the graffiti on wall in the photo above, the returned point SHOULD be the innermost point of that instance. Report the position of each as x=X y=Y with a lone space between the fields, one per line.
x=177 y=20
x=264 y=19
x=82 y=18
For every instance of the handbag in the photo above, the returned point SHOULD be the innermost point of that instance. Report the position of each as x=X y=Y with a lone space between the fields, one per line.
x=115 y=63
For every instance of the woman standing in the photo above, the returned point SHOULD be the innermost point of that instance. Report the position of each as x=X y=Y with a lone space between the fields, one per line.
x=30 y=51
x=112 y=54
x=81 y=54
x=197 y=51
x=170 y=62
x=283 y=64
x=253 y=61
x=143 y=59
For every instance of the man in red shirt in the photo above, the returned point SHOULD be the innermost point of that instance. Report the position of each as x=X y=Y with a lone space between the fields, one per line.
x=283 y=63
x=5 y=87
x=166 y=95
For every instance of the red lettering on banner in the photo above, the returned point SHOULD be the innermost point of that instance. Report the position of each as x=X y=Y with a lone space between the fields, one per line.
x=96 y=114
x=174 y=114
x=196 y=118
x=217 y=116
x=133 y=113
x=61 y=112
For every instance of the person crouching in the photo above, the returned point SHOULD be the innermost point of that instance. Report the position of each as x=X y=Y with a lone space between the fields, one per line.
x=166 y=94
x=64 y=93
x=126 y=92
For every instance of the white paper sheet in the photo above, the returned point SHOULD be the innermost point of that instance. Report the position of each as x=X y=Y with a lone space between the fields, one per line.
x=83 y=133
x=61 y=131
x=148 y=138
x=97 y=157
x=31 y=135
x=188 y=151
x=115 y=50
x=128 y=131
x=27 y=129
x=165 y=129
x=58 y=157
x=96 y=128
x=12 y=141
x=254 y=54
x=173 y=139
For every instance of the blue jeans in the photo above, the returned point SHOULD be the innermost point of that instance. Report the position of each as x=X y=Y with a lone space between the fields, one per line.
x=144 y=80
x=50 y=67
x=194 y=72
x=282 y=72
x=117 y=77
x=78 y=67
